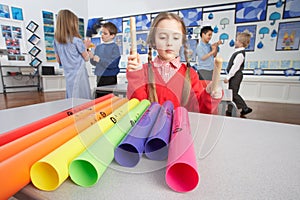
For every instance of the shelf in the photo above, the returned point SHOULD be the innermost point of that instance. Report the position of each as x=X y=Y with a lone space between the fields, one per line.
x=20 y=86
x=35 y=77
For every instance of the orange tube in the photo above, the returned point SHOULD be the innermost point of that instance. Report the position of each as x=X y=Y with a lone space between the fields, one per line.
x=22 y=143
x=26 y=129
x=16 y=169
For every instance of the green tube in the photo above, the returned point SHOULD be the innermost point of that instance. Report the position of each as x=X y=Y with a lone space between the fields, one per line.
x=86 y=169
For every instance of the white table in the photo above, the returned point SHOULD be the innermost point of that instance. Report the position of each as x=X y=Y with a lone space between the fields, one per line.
x=237 y=159
x=28 y=114
x=121 y=90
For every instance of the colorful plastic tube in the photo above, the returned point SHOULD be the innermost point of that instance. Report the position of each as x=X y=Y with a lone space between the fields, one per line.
x=52 y=170
x=87 y=168
x=26 y=141
x=182 y=171
x=130 y=150
x=26 y=129
x=16 y=169
x=156 y=147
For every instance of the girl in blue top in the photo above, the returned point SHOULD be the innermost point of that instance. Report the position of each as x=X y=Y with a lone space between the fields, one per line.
x=71 y=54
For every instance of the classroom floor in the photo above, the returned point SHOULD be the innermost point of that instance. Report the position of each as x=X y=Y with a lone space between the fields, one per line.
x=276 y=112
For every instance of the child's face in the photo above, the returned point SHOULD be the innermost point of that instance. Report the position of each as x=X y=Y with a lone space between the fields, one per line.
x=168 y=39
x=206 y=37
x=105 y=35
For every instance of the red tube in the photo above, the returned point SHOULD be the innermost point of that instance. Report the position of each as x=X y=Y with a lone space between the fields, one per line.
x=26 y=129
x=26 y=141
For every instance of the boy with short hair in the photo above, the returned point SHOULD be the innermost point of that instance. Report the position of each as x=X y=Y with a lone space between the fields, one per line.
x=206 y=53
x=235 y=73
x=106 y=57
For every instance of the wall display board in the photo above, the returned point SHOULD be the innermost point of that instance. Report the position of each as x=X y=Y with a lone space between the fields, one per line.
x=48 y=20
x=273 y=24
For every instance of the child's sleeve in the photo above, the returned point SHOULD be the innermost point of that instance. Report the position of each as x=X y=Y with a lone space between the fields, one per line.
x=94 y=63
x=204 y=102
x=137 y=84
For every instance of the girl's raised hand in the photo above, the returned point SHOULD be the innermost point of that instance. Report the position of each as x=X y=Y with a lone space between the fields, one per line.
x=134 y=62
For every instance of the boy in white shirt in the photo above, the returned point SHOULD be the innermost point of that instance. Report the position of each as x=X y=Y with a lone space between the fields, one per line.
x=235 y=73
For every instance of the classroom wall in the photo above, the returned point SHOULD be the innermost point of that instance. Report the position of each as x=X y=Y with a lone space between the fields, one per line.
x=268 y=68
x=32 y=10
x=266 y=57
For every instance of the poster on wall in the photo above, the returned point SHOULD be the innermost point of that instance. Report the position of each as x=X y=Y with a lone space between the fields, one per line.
x=17 y=13
x=192 y=16
x=252 y=30
x=119 y=42
x=141 y=39
x=4 y=11
x=251 y=11
x=81 y=27
x=291 y=9
x=48 y=20
x=143 y=22
x=288 y=36
x=12 y=36
x=192 y=46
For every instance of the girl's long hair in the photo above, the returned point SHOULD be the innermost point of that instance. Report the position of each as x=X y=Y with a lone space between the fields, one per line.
x=67 y=27
x=151 y=43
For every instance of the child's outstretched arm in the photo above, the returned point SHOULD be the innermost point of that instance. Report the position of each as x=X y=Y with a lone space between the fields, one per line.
x=213 y=87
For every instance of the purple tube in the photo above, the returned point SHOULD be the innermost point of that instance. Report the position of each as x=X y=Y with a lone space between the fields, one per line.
x=156 y=147
x=130 y=150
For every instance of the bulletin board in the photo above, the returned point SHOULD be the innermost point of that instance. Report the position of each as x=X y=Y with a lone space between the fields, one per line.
x=266 y=20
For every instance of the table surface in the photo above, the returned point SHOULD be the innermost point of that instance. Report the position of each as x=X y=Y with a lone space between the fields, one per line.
x=237 y=159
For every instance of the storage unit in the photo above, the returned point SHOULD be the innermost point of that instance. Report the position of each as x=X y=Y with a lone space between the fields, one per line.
x=19 y=77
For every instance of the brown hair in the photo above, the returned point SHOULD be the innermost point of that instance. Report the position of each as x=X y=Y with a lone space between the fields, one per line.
x=66 y=27
x=244 y=38
x=111 y=28
x=151 y=43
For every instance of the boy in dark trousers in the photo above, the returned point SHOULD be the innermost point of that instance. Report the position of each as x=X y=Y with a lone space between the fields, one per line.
x=106 y=58
x=235 y=73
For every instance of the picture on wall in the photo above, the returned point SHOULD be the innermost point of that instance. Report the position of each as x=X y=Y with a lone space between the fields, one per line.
x=192 y=16
x=192 y=46
x=35 y=62
x=141 y=43
x=119 y=42
x=48 y=26
x=142 y=22
x=4 y=11
x=34 y=39
x=81 y=27
x=291 y=9
x=34 y=51
x=288 y=36
x=252 y=30
x=17 y=13
x=6 y=31
x=16 y=32
x=251 y=11
x=93 y=27
x=32 y=26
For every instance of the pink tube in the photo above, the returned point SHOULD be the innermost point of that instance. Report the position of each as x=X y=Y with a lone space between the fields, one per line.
x=182 y=171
